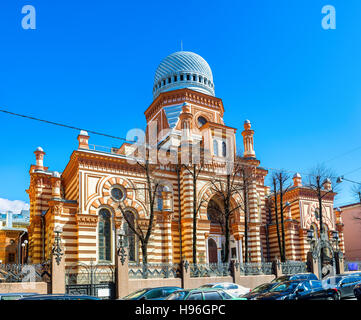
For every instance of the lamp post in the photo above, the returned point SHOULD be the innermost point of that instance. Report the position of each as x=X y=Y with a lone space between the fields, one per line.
x=57 y=251
x=121 y=245
x=335 y=238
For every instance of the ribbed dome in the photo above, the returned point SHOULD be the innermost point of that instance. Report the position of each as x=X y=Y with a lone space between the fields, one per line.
x=183 y=69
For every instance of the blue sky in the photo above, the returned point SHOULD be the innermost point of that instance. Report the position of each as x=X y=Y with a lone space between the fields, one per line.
x=91 y=65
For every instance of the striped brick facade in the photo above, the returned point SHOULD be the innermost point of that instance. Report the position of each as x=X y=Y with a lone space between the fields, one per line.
x=74 y=199
x=298 y=218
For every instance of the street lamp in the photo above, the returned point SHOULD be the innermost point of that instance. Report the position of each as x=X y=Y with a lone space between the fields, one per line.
x=310 y=235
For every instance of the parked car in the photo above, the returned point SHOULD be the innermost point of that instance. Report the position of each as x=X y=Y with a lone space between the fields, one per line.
x=59 y=297
x=357 y=291
x=15 y=296
x=343 y=284
x=159 y=293
x=202 y=294
x=232 y=288
x=263 y=288
x=297 y=276
x=351 y=274
x=298 y=290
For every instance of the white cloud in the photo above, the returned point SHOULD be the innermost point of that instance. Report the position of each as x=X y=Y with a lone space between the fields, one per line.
x=15 y=206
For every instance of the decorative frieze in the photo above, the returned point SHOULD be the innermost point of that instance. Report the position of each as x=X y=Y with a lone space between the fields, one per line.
x=88 y=220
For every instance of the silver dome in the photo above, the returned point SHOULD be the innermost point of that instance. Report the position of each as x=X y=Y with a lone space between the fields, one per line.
x=183 y=69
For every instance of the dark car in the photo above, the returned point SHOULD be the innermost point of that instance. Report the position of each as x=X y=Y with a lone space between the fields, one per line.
x=357 y=291
x=263 y=288
x=297 y=276
x=202 y=294
x=159 y=293
x=59 y=297
x=343 y=284
x=299 y=290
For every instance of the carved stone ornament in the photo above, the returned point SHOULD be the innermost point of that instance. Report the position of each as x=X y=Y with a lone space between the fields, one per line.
x=87 y=220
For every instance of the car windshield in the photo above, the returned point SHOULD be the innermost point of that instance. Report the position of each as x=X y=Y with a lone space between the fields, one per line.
x=178 y=295
x=285 y=286
x=135 y=294
x=262 y=288
x=209 y=285
x=280 y=279
x=332 y=280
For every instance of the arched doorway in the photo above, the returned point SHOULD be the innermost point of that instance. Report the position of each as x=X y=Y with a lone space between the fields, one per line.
x=212 y=251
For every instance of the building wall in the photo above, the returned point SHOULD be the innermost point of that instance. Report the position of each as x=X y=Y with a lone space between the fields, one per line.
x=352 y=231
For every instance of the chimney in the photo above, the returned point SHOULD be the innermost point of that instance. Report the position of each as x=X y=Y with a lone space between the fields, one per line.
x=9 y=219
x=39 y=155
x=83 y=138
x=297 y=180
x=248 y=140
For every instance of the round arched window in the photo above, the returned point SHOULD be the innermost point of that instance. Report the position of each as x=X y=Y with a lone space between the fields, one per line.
x=117 y=193
x=201 y=121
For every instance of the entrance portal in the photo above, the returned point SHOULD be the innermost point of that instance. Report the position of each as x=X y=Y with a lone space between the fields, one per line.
x=212 y=251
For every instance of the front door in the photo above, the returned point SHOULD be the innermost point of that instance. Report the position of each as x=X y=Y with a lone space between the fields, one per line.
x=212 y=251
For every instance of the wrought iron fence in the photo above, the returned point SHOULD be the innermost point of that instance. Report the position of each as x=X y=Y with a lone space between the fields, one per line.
x=154 y=270
x=352 y=266
x=91 y=279
x=293 y=267
x=253 y=268
x=25 y=272
x=209 y=270
x=82 y=273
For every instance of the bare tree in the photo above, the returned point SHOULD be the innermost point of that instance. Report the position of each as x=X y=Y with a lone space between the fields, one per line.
x=356 y=192
x=281 y=185
x=195 y=169
x=151 y=189
x=323 y=182
x=319 y=177
x=234 y=183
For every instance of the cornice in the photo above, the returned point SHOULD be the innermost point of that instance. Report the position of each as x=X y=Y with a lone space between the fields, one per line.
x=183 y=95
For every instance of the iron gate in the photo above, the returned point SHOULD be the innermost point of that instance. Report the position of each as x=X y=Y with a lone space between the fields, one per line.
x=96 y=280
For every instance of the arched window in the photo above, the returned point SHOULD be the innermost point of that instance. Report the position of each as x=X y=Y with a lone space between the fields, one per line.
x=215 y=147
x=130 y=236
x=160 y=198
x=224 y=149
x=201 y=121
x=104 y=235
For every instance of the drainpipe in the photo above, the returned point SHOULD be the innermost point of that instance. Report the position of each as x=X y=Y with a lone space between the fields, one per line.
x=19 y=247
x=179 y=215
x=43 y=235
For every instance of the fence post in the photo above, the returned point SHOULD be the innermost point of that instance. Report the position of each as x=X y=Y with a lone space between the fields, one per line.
x=57 y=275
x=340 y=267
x=277 y=268
x=236 y=274
x=185 y=275
x=312 y=265
x=121 y=274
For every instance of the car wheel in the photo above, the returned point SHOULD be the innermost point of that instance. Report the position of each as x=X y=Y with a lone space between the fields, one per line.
x=336 y=296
